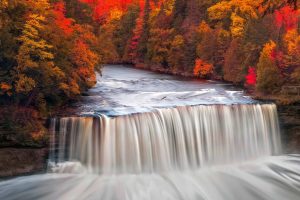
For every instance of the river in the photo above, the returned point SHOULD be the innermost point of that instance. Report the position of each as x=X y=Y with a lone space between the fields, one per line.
x=141 y=135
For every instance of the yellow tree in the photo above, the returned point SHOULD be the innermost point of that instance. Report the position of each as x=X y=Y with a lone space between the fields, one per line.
x=36 y=70
x=238 y=11
x=292 y=46
x=268 y=74
x=84 y=61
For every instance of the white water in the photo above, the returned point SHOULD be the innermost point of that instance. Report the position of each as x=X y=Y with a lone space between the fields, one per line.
x=184 y=138
x=202 y=152
x=123 y=90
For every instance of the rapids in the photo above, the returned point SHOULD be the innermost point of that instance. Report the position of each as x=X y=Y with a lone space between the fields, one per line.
x=123 y=90
x=138 y=135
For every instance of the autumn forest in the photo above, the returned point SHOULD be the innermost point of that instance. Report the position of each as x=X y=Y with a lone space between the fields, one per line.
x=50 y=50
x=150 y=99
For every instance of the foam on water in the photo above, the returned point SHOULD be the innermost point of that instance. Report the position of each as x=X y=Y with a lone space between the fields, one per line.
x=122 y=91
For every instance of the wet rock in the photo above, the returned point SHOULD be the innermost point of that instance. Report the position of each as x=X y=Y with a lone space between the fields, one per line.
x=289 y=116
x=20 y=161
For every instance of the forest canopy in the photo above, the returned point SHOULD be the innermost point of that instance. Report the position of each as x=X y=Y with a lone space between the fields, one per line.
x=49 y=50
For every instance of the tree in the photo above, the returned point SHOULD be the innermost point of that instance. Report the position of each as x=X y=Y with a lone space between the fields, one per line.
x=203 y=69
x=251 y=77
x=295 y=76
x=268 y=74
x=175 y=54
x=291 y=49
x=36 y=70
x=239 y=11
x=125 y=29
x=131 y=50
x=238 y=26
x=158 y=46
x=233 y=68
x=287 y=18
x=3 y=7
x=212 y=45
x=106 y=46
x=145 y=34
x=84 y=61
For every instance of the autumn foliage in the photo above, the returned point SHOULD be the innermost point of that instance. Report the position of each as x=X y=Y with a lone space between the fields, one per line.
x=251 y=77
x=52 y=48
x=202 y=68
x=287 y=18
x=103 y=8
x=51 y=59
x=60 y=19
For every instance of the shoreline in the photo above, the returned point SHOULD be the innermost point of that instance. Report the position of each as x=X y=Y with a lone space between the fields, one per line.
x=15 y=164
x=277 y=99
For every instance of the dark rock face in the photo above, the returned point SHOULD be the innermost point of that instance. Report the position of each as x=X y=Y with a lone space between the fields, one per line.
x=15 y=161
x=289 y=116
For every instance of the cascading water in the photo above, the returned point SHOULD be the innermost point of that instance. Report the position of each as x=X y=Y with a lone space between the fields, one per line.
x=184 y=138
x=170 y=150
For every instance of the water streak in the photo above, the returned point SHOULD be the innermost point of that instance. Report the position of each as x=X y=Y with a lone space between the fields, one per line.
x=182 y=138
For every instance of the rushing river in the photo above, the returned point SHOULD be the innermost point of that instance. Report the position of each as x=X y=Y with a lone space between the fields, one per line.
x=140 y=135
x=123 y=90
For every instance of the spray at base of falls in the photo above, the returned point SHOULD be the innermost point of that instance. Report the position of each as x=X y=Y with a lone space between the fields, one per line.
x=182 y=138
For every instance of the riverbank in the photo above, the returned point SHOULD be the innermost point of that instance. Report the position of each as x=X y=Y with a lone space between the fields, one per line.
x=23 y=141
x=32 y=137
x=22 y=161
x=289 y=118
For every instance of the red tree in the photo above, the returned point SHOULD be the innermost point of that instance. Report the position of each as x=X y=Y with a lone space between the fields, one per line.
x=287 y=17
x=102 y=8
x=251 y=77
x=61 y=21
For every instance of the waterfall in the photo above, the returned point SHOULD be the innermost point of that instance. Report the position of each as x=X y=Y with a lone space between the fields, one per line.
x=170 y=139
x=213 y=152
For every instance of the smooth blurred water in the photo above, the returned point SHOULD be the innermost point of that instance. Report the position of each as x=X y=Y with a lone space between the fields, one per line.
x=154 y=137
x=272 y=178
x=171 y=139
x=123 y=90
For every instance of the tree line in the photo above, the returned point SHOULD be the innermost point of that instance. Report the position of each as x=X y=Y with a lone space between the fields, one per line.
x=50 y=50
x=251 y=43
x=46 y=59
